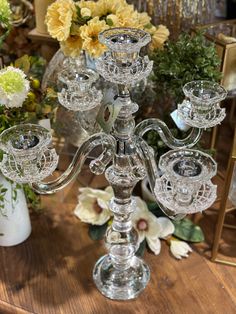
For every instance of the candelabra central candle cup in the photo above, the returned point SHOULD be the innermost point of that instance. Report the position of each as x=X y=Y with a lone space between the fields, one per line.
x=122 y=61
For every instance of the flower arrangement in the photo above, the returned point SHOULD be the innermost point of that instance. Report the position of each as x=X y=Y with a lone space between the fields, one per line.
x=5 y=19
x=5 y=13
x=93 y=208
x=76 y=25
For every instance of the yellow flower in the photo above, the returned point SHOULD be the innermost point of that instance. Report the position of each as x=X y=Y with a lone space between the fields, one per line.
x=159 y=37
x=90 y=5
x=89 y=34
x=112 y=20
x=128 y=17
x=72 y=46
x=106 y=7
x=151 y=29
x=59 y=18
x=143 y=19
x=85 y=12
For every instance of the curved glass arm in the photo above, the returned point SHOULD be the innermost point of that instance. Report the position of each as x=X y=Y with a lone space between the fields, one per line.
x=162 y=129
x=97 y=166
x=146 y=153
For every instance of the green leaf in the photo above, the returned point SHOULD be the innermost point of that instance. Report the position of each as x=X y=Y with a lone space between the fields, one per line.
x=155 y=209
x=97 y=232
x=141 y=249
x=186 y=230
x=23 y=63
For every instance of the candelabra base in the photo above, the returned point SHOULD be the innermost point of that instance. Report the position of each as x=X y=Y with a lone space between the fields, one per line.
x=121 y=284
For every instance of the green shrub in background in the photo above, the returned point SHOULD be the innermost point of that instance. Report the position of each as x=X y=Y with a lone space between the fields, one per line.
x=189 y=58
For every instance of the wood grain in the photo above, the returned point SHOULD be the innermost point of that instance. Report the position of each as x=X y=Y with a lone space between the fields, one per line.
x=51 y=272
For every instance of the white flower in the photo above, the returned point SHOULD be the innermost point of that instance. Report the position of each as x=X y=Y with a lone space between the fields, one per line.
x=93 y=206
x=179 y=248
x=150 y=227
x=14 y=87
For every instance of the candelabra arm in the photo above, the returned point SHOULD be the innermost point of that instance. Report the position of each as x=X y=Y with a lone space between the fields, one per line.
x=162 y=129
x=97 y=166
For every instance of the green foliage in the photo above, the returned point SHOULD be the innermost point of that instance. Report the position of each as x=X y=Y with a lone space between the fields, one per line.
x=155 y=209
x=186 y=230
x=32 y=198
x=3 y=192
x=189 y=58
x=97 y=232
x=14 y=188
x=141 y=249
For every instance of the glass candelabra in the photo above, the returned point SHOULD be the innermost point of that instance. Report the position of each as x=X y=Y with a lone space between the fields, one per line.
x=181 y=184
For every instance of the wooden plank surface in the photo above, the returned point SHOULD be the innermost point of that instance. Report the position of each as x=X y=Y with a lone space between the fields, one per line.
x=51 y=272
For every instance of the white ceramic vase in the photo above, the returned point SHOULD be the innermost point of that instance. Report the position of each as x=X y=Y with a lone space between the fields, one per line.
x=15 y=225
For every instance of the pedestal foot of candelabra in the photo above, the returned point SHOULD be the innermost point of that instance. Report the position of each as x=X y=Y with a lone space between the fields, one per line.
x=123 y=283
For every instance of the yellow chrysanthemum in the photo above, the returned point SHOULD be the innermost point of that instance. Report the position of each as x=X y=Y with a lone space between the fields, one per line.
x=151 y=29
x=128 y=17
x=106 y=7
x=91 y=5
x=72 y=46
x=89 y=34
x=59 y=19
x=85 y=12
x=113 y=21
x=159 y=37
x=143 y=19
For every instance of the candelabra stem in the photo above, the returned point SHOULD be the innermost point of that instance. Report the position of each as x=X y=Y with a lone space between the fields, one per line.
x=121 y=275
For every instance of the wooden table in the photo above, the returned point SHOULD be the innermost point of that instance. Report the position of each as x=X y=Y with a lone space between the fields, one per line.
x=51 y=273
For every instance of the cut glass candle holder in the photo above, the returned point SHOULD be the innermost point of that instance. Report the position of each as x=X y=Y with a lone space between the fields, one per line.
x=185 y=186
x=202 y=110
x=77 y=92
x=27 y=157
x=122 y=64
